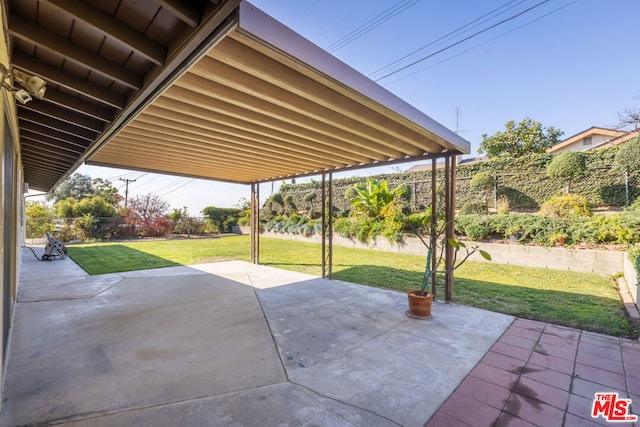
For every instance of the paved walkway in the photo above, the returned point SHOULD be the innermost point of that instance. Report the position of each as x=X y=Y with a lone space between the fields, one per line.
x=233 y=343
x=539 y=374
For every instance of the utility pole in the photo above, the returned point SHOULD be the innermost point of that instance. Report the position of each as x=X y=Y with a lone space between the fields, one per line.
x=126 y=189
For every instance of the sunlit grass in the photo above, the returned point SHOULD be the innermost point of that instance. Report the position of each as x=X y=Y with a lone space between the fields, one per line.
x=583 y=300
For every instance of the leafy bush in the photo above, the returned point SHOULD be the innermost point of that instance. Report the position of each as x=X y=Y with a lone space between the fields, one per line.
x=482 y=181
x=474 y=208
x=567 y=165
x=39 y=219
x=628 y=157
x=502 y=205
x=634 y=256
x=618 y=229
x=622 y=228
x=222 y=219
x=476 y=231
x=359 y=228
x=568 y=205
x=372 y=197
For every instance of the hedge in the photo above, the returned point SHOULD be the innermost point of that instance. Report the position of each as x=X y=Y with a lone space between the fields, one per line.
x=523 y=181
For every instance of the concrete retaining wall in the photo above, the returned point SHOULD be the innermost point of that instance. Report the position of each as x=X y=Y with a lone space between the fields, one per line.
x=583 y=260
x=631 y=277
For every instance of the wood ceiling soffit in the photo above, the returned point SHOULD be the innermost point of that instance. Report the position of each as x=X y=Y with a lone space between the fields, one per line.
x=48 y=153
x=29 y=134
x=69 y=82
x=33 y=116
x=113 y=29
x=71 y=117
x=79 y=105
x=28 y=138
x=211 y=27
x=49 y=41
x=185 y=11
x=44 y=165
x=55 y=134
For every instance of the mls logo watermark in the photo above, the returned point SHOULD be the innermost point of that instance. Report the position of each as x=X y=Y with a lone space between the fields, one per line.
x=612 y=408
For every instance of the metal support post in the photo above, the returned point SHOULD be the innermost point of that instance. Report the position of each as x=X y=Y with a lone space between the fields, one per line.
x=434 y=225
x=327 y=225
x=450 y=174
x=255 y=223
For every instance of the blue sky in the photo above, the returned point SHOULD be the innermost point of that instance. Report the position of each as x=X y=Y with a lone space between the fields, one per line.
x=574 y=68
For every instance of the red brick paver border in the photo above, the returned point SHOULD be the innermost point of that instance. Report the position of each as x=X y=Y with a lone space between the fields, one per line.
x=539 y=374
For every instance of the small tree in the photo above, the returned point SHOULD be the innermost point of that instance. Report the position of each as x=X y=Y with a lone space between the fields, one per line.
x=148 y=206
x=628 y=156
x=569 y=165
x=519 y=139
x=434 y=226
x=310 y=198
x=77 y=186
x=222 y=218
x=629 y=119
x=39 y=219
x=105 y=189
x=483 y=182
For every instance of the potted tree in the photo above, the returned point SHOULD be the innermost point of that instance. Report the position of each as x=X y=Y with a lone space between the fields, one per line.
x=421 y=300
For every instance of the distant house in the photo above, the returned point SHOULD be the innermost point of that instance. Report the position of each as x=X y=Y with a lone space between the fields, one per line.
x=593 y=138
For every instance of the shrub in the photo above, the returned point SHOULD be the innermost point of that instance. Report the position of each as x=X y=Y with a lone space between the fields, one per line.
x=565 y=206
x=371 y=198
x=634 y=256
x=482 y=181
x=606 y=229
x=476 y=231
x=568 y=165
x=474 y=208
x=463 y=221
x=39 y=219
x=222 y=218
x=628 y=157
x=502 y=205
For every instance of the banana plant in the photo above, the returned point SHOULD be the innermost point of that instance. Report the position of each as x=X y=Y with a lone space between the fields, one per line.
x=370 y=198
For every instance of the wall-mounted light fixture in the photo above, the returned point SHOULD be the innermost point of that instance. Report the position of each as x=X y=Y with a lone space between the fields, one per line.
x=31 y=85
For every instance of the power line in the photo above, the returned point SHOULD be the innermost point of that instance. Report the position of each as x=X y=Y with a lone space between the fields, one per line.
x=483 y=43
x=512 y=17
x=373 y=23
x=446 y=36
x=176 y=189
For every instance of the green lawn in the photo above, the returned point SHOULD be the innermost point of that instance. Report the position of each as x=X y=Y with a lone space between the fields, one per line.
x=582 y=300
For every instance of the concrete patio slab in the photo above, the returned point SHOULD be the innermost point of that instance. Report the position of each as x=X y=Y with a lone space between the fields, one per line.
x=283 y=404
x=233 y=343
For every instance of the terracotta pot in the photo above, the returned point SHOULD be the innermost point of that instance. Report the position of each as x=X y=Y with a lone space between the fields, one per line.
x=419 y=306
